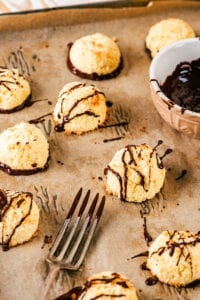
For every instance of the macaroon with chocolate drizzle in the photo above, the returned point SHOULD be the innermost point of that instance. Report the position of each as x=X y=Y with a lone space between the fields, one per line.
x=15 y=91
x=19 y=218
x=80 y=108
x=174 y=258
x=105 y=286
x=95 y=57
x=135 y=174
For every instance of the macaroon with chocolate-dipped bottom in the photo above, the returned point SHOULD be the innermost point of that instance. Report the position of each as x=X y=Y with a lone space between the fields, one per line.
x=80 y=108
x=104 y=286
x=19 y=218
x=24 y=150
x=174 y=258
x=15 y=91
x=95 y=57
x=135 y=174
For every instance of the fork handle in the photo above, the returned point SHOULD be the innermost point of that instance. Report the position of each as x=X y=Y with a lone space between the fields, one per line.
x=49 y=280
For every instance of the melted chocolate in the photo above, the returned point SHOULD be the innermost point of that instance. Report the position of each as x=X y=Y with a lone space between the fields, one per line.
x=143 y=266
x=183 y=86
x=114 y=125
x=47 y=240
x=109 y=103
x=19 y=202
x=76 y=292
x=3 y=199
x=147 y=236
x=67 y=118
x=123 y=180
x=71 y=295
x=160 y=142
x=3 y=203
x=5 y=244
x=92 y=76
x=145 y=253
x=151 y=280
x=17 y=108
x=172 y=245
x=38 y=100
x=40 y=119
x=15 y=172
x=193 y=284
x=113 y=139
x=168 y=151
x=183 y=173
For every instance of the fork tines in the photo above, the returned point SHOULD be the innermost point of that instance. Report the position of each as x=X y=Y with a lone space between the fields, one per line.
x=74 y=237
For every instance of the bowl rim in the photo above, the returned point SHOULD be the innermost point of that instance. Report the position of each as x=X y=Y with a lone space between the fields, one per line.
x=155 y=84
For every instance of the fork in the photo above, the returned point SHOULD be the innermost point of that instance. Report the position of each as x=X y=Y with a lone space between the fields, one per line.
x=74 y=237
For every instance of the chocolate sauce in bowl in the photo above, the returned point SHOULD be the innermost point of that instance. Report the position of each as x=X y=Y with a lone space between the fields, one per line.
x=92 y=76
x=183 y=86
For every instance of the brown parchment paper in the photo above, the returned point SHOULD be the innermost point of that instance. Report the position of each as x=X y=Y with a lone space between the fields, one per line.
x=36 y=43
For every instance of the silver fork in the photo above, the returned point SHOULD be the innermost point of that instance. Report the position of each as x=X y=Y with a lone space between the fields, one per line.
x=74 y=237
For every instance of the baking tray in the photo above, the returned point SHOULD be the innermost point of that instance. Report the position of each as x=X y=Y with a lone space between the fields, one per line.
x=36 y=43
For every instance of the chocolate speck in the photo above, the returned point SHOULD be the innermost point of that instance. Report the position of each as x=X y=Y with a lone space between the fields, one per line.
x=109 y=103
x=47 y=240
x=183 y=173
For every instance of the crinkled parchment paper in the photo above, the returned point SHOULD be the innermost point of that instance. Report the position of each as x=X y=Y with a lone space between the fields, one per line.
x=37 y=44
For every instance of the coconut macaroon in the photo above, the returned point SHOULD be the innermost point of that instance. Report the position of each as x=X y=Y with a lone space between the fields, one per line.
x=24 y=150
x=108 y=286
x=19 y=218
x=167 y=31
x=95 y=57
x=135 y=173
x=15 y=90
x=174 y=257
x=104 y=286
x=79 y=108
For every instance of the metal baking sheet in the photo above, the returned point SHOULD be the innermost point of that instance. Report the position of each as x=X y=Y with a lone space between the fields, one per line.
x=36 y=43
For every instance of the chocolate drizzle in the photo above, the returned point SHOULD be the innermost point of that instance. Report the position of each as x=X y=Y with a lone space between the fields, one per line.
x=79 y=292
x=114 y=125
x=183 y=173
x=145 y=253
x=6 y=238
x=168 y=151
x=92 y=76
x=128 y=159
x=113 y=139
x=68 y=118
x=109 y=169
x=181 y=244
x=115 y=279
x=3 y=203
x=147 y=236
x=40 y=119
x=160 y=142
x=183 y=86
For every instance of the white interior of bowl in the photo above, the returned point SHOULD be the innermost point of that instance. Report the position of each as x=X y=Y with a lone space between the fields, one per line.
x=165 y=62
